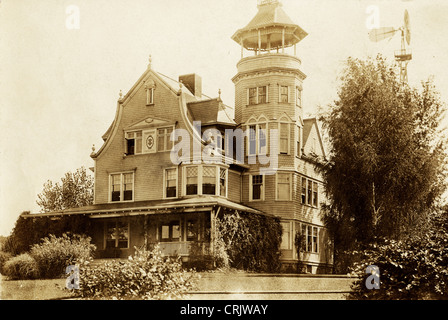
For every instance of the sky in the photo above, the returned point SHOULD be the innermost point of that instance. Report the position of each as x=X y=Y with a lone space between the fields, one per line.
x=64 y=62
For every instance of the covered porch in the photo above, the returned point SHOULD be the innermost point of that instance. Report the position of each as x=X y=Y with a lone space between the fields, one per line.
x=183 y=227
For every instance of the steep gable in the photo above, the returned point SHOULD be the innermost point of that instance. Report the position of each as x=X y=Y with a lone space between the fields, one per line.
x=312 y=140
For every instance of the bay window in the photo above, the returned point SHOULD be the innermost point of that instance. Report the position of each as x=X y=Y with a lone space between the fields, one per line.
x=205 y=180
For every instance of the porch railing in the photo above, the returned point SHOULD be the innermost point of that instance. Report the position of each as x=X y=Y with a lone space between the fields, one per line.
x=183 y=248
x=175 y=248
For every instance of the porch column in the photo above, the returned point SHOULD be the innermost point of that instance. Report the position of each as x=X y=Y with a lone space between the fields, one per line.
x=212 y=231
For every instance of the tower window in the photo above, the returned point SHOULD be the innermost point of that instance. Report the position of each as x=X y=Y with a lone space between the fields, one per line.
x=299 y=97
x=257 y=95
x=284 y=94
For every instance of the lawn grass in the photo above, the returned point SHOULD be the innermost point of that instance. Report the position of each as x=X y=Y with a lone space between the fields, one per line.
x=43 y=289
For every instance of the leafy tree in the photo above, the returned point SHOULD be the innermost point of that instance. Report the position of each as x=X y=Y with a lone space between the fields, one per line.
x=387 y=157
x=75 y=190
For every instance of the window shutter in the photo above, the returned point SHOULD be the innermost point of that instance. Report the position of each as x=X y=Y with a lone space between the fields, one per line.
x=267 y=94
x=247 y=96
x=289 y=94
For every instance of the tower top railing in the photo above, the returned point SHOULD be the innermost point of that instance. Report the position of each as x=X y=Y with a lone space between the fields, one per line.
x=266 y=2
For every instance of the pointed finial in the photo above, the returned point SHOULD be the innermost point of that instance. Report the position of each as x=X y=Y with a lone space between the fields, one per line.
x=149 y=62
x=93 y=150
x=219 y=93
x=121 y=95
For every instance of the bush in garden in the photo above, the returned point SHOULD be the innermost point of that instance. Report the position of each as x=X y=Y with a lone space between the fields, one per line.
x=4 y=256
x=415 y=268
x=146 y=275
x=21 y=267
x=54 y=254
x=248 y=241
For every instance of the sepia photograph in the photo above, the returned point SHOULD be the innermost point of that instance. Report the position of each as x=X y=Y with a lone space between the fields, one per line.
x=227 y=155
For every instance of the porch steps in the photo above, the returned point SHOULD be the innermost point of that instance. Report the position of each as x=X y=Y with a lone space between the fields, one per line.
x=246 y=286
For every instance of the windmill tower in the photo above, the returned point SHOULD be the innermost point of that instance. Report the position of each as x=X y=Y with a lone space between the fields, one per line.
x=404 y=55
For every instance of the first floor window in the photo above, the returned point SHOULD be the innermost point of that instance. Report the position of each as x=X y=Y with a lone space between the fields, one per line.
x=171 y=183
x=122 y=187
x=170 y=231
x=192 y=230
x=286 y=236
x=257 y=187
x=284 y=186
x=311 y=238
x=117 y=234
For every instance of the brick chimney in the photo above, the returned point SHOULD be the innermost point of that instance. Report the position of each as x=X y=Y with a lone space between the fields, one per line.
x=192 y=82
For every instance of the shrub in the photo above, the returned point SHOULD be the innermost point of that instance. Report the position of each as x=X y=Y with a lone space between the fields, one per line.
x=4 y=256
x=28 y=231
x=414 y=268
x=146 y=275
x=21 y=267
x=54 y=254
x=248 y=241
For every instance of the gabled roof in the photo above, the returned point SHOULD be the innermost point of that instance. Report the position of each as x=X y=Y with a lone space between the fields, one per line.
x=308 y=125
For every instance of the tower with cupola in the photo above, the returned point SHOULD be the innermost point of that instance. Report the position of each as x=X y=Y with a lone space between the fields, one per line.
x=268 y=95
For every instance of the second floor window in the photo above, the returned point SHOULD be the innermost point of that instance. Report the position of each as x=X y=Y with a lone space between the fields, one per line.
x=171 y=183
x=284 y=186
x=208 y=180
x=205 y=180
x=256 y=187
x=191 y=180
x=310 y=192
x=122 y=187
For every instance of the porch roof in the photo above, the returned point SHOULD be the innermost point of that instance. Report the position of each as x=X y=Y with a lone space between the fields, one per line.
x=108 y=210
